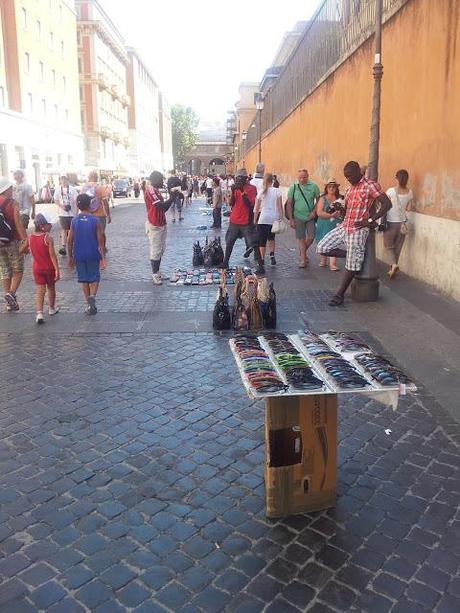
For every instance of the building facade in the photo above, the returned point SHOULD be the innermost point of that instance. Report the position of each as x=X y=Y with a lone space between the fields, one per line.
x=166 y=134
x=102 y=67
x=145 y=151
x=40 y=128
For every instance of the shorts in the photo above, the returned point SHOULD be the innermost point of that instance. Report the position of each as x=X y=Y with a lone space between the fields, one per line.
x=248 y=232
x=102 y=221
x=65 y=222
x=10 y=260
x=88 y=271
x=305 y=228
x=265 y=233
x=157 y=240
x=353 y=242
x=25 y=219
x=44 y=277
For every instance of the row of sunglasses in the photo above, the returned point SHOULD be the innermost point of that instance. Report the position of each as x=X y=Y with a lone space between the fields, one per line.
x=295 y=367
x=257 y=365
x=341 y=371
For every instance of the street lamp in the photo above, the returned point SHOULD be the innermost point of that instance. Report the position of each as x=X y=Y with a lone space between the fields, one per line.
x=244 y=136
x=259 y=102
x=365 y=286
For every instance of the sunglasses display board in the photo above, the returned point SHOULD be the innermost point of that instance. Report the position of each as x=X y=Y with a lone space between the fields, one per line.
x=300 y=377
x=307 y=364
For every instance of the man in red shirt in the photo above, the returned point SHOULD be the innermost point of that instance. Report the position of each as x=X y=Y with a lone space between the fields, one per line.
x=241 y=220
x=365 y=202
x=155 y=225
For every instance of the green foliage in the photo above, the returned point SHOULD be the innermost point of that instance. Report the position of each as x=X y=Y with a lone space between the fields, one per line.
x=184 y=123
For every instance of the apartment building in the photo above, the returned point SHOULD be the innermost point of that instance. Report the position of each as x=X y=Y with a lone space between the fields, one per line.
x=102 y=66
x=40 y=128
x=145 y=152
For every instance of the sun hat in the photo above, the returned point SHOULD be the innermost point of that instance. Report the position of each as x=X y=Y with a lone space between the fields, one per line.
x=41 y=219
x=4 y=184
x=332 y=181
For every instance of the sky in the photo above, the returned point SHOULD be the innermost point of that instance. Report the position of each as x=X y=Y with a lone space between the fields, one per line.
x=200 y=50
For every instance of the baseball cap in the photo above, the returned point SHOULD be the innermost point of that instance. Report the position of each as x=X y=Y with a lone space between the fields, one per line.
x=4 y=184
x=41 y=219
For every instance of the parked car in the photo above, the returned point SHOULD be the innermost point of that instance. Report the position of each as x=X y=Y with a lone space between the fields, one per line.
x=121 y=188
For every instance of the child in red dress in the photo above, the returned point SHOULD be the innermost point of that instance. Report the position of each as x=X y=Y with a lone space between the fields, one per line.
x=45 y=266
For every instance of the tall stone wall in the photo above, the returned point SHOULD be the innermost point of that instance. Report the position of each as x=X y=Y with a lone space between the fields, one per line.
x=420 y=131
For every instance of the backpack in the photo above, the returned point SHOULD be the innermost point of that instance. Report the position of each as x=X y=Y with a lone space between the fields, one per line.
x=270 y=312
x=6 y=231
x=91 y=191
x=197 y=260
x=221 y=316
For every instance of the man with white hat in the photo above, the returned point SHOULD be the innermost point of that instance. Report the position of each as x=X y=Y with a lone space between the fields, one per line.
x=13 y=244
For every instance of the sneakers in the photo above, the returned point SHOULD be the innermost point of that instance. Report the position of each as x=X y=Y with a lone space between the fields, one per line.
x=39 y=319
x=248 y=252
x=260 y=272
x=62 y=251
x=91 y=309
x=272 y=260
x=53 y=311
x=156 y=278
x=11 y=302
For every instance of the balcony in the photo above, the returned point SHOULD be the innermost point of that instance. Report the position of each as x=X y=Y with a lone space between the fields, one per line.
x=102 y=81
x=125 y=100
x=114 y=90
x=116 y=137
x=105 y=132
x=125 y=141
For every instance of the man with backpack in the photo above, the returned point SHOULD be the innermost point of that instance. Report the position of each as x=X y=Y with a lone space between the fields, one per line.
x=301 y=211
x=13 y=244
x=99 y=206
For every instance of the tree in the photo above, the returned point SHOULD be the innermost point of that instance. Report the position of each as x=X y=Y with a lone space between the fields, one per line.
x=184 y=123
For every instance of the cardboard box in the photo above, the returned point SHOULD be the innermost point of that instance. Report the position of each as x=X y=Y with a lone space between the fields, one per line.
x=301 y=454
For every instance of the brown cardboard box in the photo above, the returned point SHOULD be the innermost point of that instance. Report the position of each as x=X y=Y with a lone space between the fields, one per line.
x=301 y=454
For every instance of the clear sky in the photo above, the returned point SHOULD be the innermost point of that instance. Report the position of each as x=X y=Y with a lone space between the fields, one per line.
x=200 y=50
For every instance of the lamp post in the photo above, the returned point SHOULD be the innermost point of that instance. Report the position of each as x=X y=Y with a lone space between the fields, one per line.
x=259 y=102
x=365 y=286
x=244 y=136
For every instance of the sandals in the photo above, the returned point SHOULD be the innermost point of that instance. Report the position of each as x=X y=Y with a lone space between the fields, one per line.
x=336 y=300
x=335 y=269
x=302 y=264
x=393 y=270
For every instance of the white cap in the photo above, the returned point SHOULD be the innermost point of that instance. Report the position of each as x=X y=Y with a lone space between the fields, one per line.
x=4 y=184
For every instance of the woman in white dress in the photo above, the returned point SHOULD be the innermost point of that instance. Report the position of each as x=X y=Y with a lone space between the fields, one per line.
x=401 y=199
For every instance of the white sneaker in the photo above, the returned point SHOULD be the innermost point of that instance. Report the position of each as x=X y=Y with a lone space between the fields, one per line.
x=157 y=279
x=53 y=311
x=39 y=319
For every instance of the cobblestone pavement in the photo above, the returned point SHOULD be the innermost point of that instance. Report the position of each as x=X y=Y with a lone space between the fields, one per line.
x=131 y=464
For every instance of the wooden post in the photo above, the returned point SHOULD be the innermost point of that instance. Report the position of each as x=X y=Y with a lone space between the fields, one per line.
x=300 y=454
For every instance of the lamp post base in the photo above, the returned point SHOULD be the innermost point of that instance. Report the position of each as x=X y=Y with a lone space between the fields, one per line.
x=365 y=290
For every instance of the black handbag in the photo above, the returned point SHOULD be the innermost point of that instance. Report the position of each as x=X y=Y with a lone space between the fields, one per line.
x=197 y=255
x=270 y=310
x=221 y=319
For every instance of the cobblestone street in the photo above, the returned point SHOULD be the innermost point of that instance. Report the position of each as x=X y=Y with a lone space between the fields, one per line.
x=131 y=459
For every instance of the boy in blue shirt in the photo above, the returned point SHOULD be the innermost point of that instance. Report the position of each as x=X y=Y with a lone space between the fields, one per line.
x=85 y=246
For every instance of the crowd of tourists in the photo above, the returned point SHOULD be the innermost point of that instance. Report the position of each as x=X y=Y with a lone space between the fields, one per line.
x=338 y=223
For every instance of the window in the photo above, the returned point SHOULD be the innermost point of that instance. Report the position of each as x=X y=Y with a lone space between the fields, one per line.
x=27 y=63
x=78 y=37
x=60 y=12
x=53 y=77
x=62 y=48
x=44 y=107
x=30 y=103
x=66 y=114
x=56 y=115
x=80 y=66
x=24 y=18
x=51 y=39
x=64 y=83
x=41 y=71
x=39 y=29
